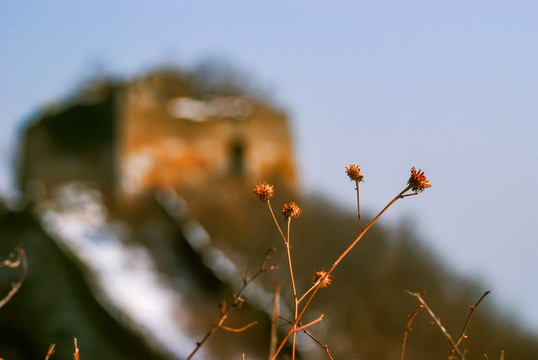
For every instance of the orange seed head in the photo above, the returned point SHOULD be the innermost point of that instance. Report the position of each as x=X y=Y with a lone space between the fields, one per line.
x=291 y=210
x=417 y=181
x=264 y=191
x=354 y=172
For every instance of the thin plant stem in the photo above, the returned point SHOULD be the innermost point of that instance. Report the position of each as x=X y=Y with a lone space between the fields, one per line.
x=274 y=319
x=309 y=290
x=295 y=302
x=276 y=222
x=349 y=248
x=439 y=324
x=408 y=329
x=238 y=300
x=467 y=323
x=20 y=260
x=367 y=228
x=50 y=352
x=288 y=249
x=76 y=354
x=324 y=346
x=238 y=330
x=303 y=327
x=359 y=205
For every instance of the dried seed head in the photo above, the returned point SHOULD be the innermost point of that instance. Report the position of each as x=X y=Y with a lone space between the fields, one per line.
x=418 y=181
x=322 y=277
x=354 y=172
x=264 y=191
x=291 y=210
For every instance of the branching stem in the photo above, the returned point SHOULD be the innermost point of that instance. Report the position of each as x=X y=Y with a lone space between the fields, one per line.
x=468 y=322
x=317 y=287
x=324 y=346
x=238 y=300
x=439 y=324
x=13 y=263
x=408 y=329
x=303 y=327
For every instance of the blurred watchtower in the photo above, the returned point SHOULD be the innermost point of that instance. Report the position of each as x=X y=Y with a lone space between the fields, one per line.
x=162 y=129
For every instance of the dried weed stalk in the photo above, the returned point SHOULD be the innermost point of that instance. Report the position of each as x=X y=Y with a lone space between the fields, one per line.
x=417 y=182
x=15 y=260
x=76 y=354
x=275 y=317
x=408 y=329
x=51 y=351
x=237 y=302
x=455 y=352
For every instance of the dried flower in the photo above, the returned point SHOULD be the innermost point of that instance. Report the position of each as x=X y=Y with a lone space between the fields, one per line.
x=354 y=172
x=322 y=277
x=417 y=181
x=264 y=191
x=291 y=210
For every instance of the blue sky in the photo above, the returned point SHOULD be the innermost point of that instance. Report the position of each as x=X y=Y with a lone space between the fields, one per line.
x=449 y=86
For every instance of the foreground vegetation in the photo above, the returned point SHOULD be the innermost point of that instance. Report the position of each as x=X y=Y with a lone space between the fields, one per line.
x=387 y=299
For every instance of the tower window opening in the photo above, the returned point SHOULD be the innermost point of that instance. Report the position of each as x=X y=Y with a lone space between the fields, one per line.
x=237 y=158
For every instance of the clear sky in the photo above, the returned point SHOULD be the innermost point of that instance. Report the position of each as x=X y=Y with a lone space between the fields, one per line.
x=448 y=86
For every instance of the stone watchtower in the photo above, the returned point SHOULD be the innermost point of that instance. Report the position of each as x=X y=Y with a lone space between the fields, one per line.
x=169 y=138
x=154 y=132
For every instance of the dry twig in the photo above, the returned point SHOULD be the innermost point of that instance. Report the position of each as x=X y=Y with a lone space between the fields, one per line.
x=439 y=324
x=290 y=211
x=327 y=275
x=295 y=300
x=14 y=261
x=468 y=322
x=408 y=329
x=274 y=319
x=75 y=354
x=50 y=352
x=416 y=183
x=237 y=302
x=355 y=174
x=303 y=329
